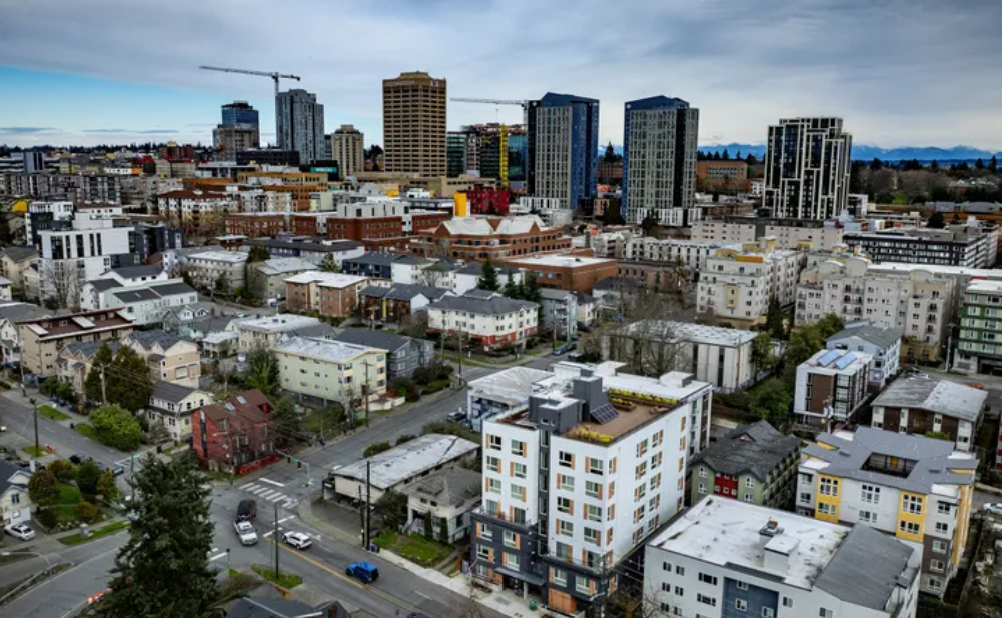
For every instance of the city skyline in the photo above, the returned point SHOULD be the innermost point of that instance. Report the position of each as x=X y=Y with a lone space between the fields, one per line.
x=887 y=70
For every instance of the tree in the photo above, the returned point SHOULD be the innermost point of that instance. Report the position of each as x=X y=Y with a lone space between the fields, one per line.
x=329 y=264
x=774 y=319
x=443 y=530
x=828 y=326
x=116 y=427
x=92 y=385
x=376 y=448
x=993 y=165
x=934 y=166
x=128 y=382
x=258 y=253
x=392 y=509
x=648 y=224
x=936 y=221
x=222 y=285
x=88 y=475
x=762 y=354
x=163 y=569
x=286 y=421
x=262 y=371
x=979 y=164
x=63 y=470
x=106 y=485
x=429 y=531
x=86 y=511
x=488 y=279
x=771 y=400
x=531 y=290
x=514 y=288
x=42 y=486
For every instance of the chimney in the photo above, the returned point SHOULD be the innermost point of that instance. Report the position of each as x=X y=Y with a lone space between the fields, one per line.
x=768 y=532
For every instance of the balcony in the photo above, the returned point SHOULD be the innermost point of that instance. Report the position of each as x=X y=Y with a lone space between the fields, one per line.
x=517 y=520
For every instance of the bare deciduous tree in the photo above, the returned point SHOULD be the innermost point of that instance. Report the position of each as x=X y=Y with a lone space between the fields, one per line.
x=61 y=281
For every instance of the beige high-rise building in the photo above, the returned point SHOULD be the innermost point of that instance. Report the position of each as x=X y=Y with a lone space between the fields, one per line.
x=348 y=149
x=414 y=124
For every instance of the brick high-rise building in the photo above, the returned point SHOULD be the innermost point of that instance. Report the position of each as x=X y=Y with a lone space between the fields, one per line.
x=348 y=149
x=414 y=124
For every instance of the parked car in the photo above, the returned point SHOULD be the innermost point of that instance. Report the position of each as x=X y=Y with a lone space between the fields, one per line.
x=20 y=531
x=299 y=540
x=362 y=570
x=77 y=459
x=995 y=508
x=246 y=510
x=457 y=415
x=246 y=532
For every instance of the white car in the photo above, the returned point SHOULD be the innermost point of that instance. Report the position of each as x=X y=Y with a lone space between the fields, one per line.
x=299 y=540
x=21 y=531
x=246 y=532
x=995 y=508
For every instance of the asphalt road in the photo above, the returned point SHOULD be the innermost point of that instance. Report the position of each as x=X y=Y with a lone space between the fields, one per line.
x=20 y=432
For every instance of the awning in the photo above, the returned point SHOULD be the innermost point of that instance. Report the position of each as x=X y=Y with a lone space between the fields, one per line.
x=535 y=580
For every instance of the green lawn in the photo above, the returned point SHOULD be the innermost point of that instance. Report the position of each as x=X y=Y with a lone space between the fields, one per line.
x=417 y=549
x=51 y=413
x=67 y=497
x=285 y=580
x=39 y=452
x=77 y=539
x=86 y=431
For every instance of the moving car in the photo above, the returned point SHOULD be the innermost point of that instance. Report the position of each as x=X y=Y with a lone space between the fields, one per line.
x=362 y=570
x=21 y=531
x=995 y=508
x=246 y=510
x=299 y=540
x=246 y=532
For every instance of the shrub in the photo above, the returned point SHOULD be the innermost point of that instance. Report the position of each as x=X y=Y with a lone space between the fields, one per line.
x=443 y=531
x=116 y=427
x=375 y=449
x=64 y=470
x=428 y=530
x=407 y=437
x=46 y=517
x=86 y=511
x=5 y=385
x=87 y=477
x=42 y=486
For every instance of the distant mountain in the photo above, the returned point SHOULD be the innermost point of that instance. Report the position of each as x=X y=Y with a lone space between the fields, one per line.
x=863 y=152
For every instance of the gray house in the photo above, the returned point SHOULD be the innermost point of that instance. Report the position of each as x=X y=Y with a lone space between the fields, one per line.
x=406 y=353
x=560 y=311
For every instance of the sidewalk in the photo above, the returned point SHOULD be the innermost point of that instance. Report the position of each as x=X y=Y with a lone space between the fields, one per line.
x=502 y=602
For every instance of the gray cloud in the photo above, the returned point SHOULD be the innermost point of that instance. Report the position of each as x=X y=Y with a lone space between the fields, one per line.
x=132 y=131
x=26 y=130
x=898 y=71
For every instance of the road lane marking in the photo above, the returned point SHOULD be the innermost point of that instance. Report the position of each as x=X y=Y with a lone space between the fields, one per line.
x=271 y=482
x=284 y=519
x=218 y=556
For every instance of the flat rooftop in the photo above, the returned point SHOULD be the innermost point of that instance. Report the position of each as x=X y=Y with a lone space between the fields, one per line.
x=695 y=333
x=938 y=396
x=280 y=322
x=511 y=386
x=983 y=286
x=404 y=462
x=324 y=348
x=233 y=257
x=560 y=261
x=956 y=271
x=326 y=279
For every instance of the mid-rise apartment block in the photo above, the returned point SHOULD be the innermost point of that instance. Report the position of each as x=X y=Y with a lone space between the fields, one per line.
x=915 y=302
x=789 y=233
x=737 y=283
x=484 y=319
x=970 y=246
x=563 y=148
x=333 y=294
x=299 y=122
x=882 y=344
x=979 y=348
x=414 y=109
x=580 y=479
x=220 y=271
x=69 y=257
x=268 y=331
x=348 y=149
x=831 y=386
x=322 y=370
x=729 y=559
x=43 y=339
x=913 y=488
x=575 y=273
x=807 y=166
x=659 y=159
x=920 y=405
x=658 y=252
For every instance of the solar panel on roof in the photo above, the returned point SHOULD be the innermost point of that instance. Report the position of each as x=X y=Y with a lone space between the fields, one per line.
x=604 y=414
x=846 y=360
x=826 y=360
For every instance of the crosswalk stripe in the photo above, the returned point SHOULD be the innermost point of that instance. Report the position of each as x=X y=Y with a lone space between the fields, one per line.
x=268 y=495
x=260 y=491
x=276 y=498
x=246 y=485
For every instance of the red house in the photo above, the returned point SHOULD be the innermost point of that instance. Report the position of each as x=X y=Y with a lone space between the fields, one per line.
x=235 y=435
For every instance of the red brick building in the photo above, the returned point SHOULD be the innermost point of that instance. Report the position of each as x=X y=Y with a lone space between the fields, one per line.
x=477 y=238
x=574 y=273
x=235 y=435
x=483 y=200
x=256 y=225
x=334 y=294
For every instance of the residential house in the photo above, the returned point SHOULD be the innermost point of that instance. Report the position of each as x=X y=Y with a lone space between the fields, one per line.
x=922 y=405
x=397 y=305
x=172 y=405
x=488 y=319
x=15 y=502
x=15 y=261
x=76 y=359
x=221 y=271
x=754 y=463
x=373 y=264
x=170 y=358
x=404 y=354
x=447 y=497
x=587 y=308
x=409 y=269
x=831 y=386
x=42 y=339
x=234 y=435
x=882 y=344
x=6 y=289
x=10 y=340
x=326 y=371
x=560 y=312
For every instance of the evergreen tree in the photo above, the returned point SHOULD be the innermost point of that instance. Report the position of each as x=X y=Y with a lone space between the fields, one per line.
x=128 y=381
x=936 y=221
x=514 y=288
x=751 y=159
x=329 y=264
x=489 y=277
x=262 y=371
x=979 y=164
x=286 y=421
x=774 y=319
x=258 y=254
x=876 y=164
x=934 y=166
x=993 y=165
x=727 y=155
x=531 y=290
x=92 y=385
x=163 y=570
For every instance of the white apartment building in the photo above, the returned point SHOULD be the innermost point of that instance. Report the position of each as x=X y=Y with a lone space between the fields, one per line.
x=830 y=386
x=503 y=392
x=266 y=332
x=531 y=204
x=724 y=231
x=725 y=558
x=882 y=344
x=917 y=303
x=322 y=370
x=211 y=268
x=736 y=285
x=71 y=257
x=196 y=207
x=147 y=304
x=789 y=233
x=589 y=471
x=914 y=488
x=486 y=319
x=60 y=211
x=628 y=246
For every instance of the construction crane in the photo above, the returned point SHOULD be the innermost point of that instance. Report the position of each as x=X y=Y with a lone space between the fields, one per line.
x=274 y=76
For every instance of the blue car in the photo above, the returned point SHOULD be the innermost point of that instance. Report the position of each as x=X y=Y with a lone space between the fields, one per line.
x=362 y=570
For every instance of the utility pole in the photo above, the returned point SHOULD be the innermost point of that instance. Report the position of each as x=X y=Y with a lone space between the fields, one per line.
x=459 y=350
x=276 y=541
x=554 y=328
x=368 y=496
x=132 y=470
x=34 y=407
x=104 y=390
x=361 y=514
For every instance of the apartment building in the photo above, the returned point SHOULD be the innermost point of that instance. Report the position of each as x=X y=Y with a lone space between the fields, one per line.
x=831 y=386
x=172 y=406
x=563 y=148
x=914 y=488
x=660 y=138
x=414 y=110
x=398 y=304
x=45 y=216
x=266 y=332
x=882 y=344
x=658 y=252
x=326 y=371
x=979 y=348
x=807 y=166
x=737 y=284
x=314 y=252
x=333 y=294
x=728 y=176
x=348 y=149
x=42 y=339
x=566 y=272
x=196 y=209
x=222 y=271
x=822 y=236
x=732 y=559
x=560 y=313
x=267 y=278
x=580 y=479
x=503 y=392
x=486 y=319
x=917 y=302
x=299 y=124
x=70 y=257
x=256 y=224
x=477 y=239
x=754 y=464
x=921 y=405
x=404 y=356
x=970 y=246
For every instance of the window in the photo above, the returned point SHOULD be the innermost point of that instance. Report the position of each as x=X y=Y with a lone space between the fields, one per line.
x=638 y=515
x=787 y=602
x=593 y=513
x=768 y=612
x=939 y=547
x=826 y=509
x=741 y=585
x=741 y=605
x=564 y=505
x=566 y=482
x=512 y=560
x=702 y=488
x=483 y=552
x=493 y=464
x=829 y=487
x=560 y=577
x=825 y=613
x=517 y=492
x=870 y=494
x=937 y=566
x=641 y=470
x=494 y=486
x=911 y=504
x=494 y=442
x=942 y=527
x=642 y=448
x=591 y=535
x=935 y=583
x=518 y=448
x=566 y=459
x=593 y=489
x=510 y=539
x=944 y=508
x=583 y=584
x=908 y=527
x=680 y=570
x=806 y=479
x=702 y=472
x=867 y=517
x=706 y=578
x=702 y=598
x=596 y=466
x=749 y=483
x=566 y=528
x=519 y=470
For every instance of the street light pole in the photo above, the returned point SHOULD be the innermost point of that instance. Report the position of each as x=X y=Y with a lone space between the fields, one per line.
x=34 y=408
x=48 y=563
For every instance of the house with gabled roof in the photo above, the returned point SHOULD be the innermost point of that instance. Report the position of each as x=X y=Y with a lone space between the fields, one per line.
x=172 y=405
x=397 y=304
x=487 y=319
x=236 y=434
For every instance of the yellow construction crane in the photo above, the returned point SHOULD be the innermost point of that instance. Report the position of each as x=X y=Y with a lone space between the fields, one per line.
x=274 y=76
x=502 y=130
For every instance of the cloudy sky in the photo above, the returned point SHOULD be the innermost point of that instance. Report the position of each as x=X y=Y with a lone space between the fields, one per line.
x=901 y=72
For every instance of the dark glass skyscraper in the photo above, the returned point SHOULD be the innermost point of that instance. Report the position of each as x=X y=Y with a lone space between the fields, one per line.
x=238 y=113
